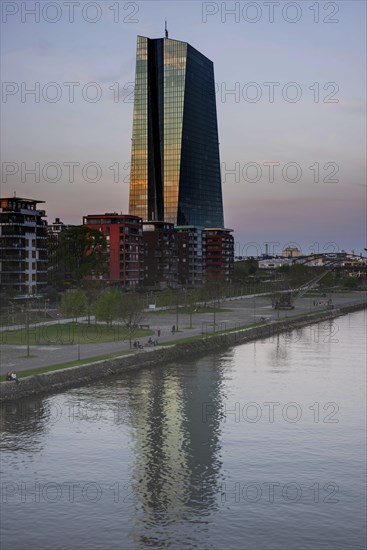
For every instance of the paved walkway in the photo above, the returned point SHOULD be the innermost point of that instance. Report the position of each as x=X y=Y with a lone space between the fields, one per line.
x=242 y=312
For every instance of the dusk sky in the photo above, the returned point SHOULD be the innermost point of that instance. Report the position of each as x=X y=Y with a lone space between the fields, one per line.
x=315 y=121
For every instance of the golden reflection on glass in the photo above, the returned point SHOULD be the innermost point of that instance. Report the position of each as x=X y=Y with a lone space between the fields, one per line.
x=175 y=54
x=138 y=202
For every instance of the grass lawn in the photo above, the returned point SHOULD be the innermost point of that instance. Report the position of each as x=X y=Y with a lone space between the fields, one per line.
x=20 y=319
x=61 y=366
x=70 y=333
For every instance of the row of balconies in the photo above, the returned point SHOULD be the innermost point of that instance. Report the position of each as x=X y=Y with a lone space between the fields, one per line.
x=124 y=254
x=19 y=223
x=10 y=240
x=222 y=253
x=217 y=241
x=12 y=278
x=130 y=244
x=21 y=259
x=13 y=255
x=25 y=272
x=16 y=269
x=132 y=262
x=11 y=232
x=137 y=254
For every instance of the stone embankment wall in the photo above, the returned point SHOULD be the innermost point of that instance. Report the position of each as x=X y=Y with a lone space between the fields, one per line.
x=75 y=376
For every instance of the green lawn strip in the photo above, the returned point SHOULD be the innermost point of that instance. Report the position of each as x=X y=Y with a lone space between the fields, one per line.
x=69 y=364
x=20 y=318
x=69 y=334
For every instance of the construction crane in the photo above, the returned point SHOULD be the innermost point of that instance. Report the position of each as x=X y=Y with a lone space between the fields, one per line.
x=285 y=299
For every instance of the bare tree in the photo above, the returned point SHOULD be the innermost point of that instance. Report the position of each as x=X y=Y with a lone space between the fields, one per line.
x=131 y=312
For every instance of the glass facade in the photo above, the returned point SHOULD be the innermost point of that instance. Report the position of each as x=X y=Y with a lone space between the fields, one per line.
x=139 y=153
x=175 y=168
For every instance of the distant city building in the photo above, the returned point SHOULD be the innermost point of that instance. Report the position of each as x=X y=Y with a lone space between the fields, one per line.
x=291 y=252
x=57 y=228
x=191 y=262
x=218 y=253
x=125 y=247
x=274 y=263
x=175 y=165
x=355 y=266
x=23 y=246
x=160 y=255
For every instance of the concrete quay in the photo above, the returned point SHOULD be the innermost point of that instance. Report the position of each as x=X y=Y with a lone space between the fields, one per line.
x=209 y=342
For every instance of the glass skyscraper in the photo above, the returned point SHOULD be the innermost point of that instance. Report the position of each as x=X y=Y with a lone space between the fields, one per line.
x=175 y=167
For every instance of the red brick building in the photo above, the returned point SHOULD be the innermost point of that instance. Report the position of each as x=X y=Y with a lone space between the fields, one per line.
x=125 y=247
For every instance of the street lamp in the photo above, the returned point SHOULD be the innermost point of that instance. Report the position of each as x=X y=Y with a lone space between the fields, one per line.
x=254 y=309
x=176 y=311
x=27 y=325
x=78 y=334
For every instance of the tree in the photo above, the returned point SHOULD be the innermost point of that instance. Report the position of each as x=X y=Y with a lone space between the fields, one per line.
x=56 y=268
x=79 y=252
x=216 y=289
x=245 y=268
x=203 y=294
x=300 y=274
x=123 y=306
x=106 y=308
x=92 y=289
x=74 y=303
x=191 y=304
x=328 y=281
x=350 y=283
x=167 y=297
x=130 y=311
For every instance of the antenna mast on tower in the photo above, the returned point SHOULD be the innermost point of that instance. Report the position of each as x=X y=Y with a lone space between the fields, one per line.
x=165 y=29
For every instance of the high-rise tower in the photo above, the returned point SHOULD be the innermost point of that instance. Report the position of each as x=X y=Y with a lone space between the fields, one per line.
x=175 y=167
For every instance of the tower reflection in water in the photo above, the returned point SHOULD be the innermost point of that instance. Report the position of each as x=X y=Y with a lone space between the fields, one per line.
x=176 y=469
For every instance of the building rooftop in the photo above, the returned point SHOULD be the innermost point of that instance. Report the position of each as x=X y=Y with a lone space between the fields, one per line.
x=21 y=199
x=218 y=229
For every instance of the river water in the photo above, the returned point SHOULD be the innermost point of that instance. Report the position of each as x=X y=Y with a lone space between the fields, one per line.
x=262 y=447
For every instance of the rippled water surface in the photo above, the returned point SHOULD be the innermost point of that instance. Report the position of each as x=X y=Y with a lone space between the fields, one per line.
x=262 y=447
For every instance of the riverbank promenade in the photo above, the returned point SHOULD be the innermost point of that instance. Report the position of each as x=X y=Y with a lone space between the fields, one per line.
x=231 y=314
